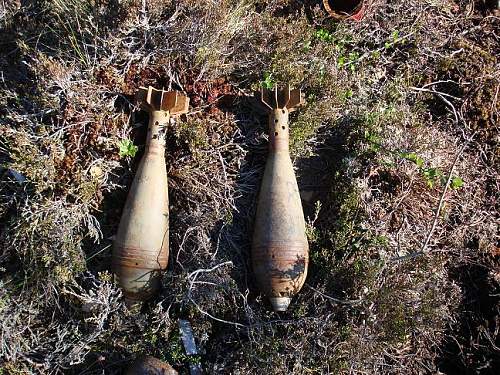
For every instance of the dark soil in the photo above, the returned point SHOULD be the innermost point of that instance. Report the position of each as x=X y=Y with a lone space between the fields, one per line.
x=469 y=349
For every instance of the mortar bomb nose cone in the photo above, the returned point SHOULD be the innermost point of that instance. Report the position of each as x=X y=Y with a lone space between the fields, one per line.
x=280 y=303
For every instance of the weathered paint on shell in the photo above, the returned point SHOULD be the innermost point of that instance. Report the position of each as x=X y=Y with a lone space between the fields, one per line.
x=280 y=249
x=150 y=366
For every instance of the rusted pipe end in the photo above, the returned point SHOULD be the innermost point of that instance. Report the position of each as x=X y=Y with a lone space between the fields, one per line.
x=343 y=9
x=280 y=303
x=151 y=99
x=281 y=98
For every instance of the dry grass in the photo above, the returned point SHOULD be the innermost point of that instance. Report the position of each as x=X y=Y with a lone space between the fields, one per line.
x=401 y=108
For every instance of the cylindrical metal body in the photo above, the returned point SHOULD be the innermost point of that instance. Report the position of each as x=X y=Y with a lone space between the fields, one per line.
x=141 y=245
x=280 y=249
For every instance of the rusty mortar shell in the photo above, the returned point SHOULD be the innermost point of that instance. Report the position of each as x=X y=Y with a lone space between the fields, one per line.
x=279 y=247
x=150 y=366
x=140 y=251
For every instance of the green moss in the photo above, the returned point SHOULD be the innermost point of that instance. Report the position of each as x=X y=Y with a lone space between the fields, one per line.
x=28 y=159
x=88 y=191
x=13 y=368
x=285 y=68
x=192 y=133
x=347 y=224
x=315 y=114
x=268 y=350
x=300 y=132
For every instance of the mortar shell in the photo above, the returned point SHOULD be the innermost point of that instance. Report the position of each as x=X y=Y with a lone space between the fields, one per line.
x=141 y=246
x=140 y=252
x=279 y=249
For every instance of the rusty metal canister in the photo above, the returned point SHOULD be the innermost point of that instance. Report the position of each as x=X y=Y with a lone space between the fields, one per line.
x=140 y=250
x=345 y=9
x=279 y=249
x=150 y=366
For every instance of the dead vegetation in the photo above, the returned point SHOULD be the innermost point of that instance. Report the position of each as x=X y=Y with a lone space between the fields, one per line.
x=396 y=152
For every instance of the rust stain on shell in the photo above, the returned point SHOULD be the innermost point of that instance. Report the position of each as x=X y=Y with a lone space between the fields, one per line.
x=280 y=267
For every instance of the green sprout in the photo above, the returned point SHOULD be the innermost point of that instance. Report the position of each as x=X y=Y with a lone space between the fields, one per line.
x=323 y=35
x=431 y=174
x=394 y=39
x=268 y=81
x=411 y=156
x=127 y=148
x=350 y=61
x=456 y=182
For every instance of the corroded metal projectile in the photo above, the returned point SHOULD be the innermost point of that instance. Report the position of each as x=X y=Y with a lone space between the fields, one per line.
x=280 y=249
x=150 y=366
x=141 y=246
